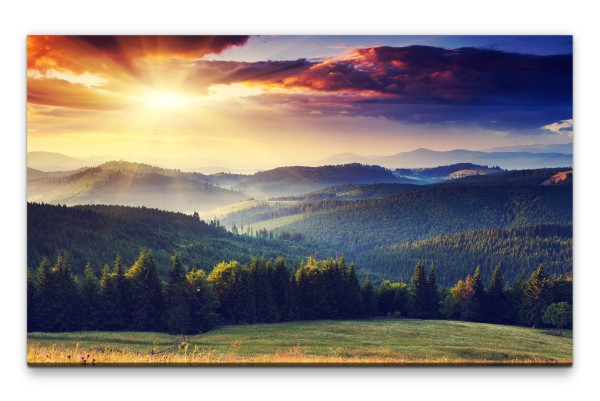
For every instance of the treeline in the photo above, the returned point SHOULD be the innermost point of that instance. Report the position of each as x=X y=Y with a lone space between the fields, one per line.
x=122 y=298
x=126 y=230
x=264 y=291
x=515 y=248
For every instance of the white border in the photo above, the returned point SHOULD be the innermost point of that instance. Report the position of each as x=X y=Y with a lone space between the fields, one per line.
x=306 y=17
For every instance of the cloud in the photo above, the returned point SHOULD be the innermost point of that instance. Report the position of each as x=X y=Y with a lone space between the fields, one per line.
x=416 y=84
x=82 y=53
x=436 y=75
x=58 y=92
x=563 y=127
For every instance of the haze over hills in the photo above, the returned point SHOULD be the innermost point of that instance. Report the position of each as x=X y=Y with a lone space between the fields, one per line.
x=50 y=161
x=296 y=180
x=422 y=158
x=138 y=184
x=131 y=184
x=508 y=157
x=566 y=148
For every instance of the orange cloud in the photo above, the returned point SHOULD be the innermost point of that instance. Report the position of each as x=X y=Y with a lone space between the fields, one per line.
x=79 y=53
x=58 y=92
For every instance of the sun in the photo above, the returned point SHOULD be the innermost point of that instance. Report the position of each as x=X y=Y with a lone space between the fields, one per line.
x=161 y=100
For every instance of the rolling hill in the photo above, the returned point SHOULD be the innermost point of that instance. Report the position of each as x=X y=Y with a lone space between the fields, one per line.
x=130 y=184
x=362 y=225
x=97 y=233
x=517 y=250
x=50 y=161
x=295 y=180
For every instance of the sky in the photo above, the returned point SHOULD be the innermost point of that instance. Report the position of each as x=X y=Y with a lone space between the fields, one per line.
x=265 y=101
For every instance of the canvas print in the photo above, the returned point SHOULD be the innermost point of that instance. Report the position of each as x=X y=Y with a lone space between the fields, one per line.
x=299 y=200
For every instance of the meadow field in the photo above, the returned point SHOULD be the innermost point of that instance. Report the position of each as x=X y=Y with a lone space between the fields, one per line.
x=340 y=342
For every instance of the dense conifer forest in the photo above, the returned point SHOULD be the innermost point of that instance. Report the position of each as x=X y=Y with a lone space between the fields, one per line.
x=190 y=301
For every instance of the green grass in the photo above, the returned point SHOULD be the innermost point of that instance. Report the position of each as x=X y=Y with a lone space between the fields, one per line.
x=386 y=341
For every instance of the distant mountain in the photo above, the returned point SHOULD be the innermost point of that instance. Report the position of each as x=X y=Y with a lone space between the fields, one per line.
x=290 y=181
x=130 y=184
x=566 y=148
x=49 y=161
x=423 y=158
x=443 y=173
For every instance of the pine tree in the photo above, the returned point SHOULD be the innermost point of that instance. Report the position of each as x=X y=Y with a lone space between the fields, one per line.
x=369 y=298
x=203 y=302
x=90 y=299
x=146 y=293
x=266 y=309
x=45 y=294
x=110 y=301
x=234 y=286
x=354 y=302
x=32 y=298
x=478 y=295
x=125 y=306
x=419 y=291
x=282 y=290
x=496 y=308
x=308 y=290
x=433 y=297
x=65 y=300
x=177 y=313
x=537 y=295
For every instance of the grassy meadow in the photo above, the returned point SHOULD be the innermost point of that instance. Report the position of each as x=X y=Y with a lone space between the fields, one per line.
x=374 y=342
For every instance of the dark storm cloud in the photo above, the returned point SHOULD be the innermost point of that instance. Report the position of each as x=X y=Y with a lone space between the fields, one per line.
x=433 y=85
x=437 y=75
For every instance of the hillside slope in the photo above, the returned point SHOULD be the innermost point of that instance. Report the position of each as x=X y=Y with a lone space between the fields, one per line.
x=130 y=184
x=358 y=226
x=517 y=250
x=290 y=181
x=97 y=233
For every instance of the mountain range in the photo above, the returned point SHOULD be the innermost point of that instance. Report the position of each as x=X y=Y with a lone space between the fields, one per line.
x=131 y=184
x=423 y=158
x=138 y=184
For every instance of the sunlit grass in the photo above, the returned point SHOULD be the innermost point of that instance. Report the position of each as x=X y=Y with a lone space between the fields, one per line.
x=377 y=342
x=277 y=222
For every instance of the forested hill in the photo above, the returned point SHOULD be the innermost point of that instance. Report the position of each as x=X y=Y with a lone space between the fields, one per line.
x=519 y=177
x=131 y=184
x=516 y=250
x=286 y=181
x=362 y=225
x=97 y=233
